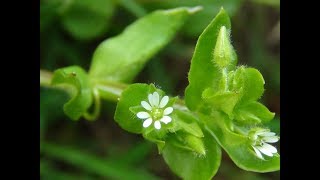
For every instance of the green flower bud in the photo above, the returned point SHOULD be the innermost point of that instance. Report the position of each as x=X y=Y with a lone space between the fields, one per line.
x=195 y=143
x=187 y=141
x=223 y=54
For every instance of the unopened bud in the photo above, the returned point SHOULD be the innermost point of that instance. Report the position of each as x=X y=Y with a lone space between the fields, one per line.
x=195 y=143
x=223 y=54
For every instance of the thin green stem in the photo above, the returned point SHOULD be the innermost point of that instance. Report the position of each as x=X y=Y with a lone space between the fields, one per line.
x=225 y=79
x=109 y=90
x=106 y=90
x=97 y=105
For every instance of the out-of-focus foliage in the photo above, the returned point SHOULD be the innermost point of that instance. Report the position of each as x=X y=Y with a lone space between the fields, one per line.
x=83 y=19
x=203 y=18
x=70 y=30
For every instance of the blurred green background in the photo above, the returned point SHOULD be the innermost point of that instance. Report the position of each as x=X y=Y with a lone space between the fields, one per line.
x=70 y=30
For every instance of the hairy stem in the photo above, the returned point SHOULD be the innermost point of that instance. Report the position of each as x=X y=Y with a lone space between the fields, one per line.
x=225 y=79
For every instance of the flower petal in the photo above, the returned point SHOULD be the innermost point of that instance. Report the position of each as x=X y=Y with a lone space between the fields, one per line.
x=268 y=134
x=270 y=139
x=150 y=98
x=147 y=123
x=166 y=119
x=155 y=98
x=164 y=101
x=261 y=131
x=265 y=150
x=270 y=148
x=168 y=110
x=258 y=153
x=143 y=115
x=157 y=125
x=146 y=105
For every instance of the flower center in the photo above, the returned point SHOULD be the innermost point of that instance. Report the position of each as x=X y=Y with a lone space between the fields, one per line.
x=156 y=113
x=258 y=141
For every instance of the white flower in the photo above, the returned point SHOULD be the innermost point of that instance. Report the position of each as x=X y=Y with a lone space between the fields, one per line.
x=260 y=139
x=155 y=111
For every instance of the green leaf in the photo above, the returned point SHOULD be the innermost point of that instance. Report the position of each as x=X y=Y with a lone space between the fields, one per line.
x=87 y=19
x=137 y=44
x=203 y=73
x=191 y=166
x=131 y=97
x=253 y=112
x=253 y=87
x=238 y=146
x=75 y=81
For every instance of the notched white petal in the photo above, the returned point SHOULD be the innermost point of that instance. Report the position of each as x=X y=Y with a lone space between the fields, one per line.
x=150 y=98
x=270 y=139
x=146 y=105
x=168 y=110
x=157 y=125
x=258 y=153
x=143 y=115
x=166 y=119
x=155 y=98
x=164 y=101
x=268 y=134
x=261 y=131
x=269 y=148
x=265 y=150
x=147 y=123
